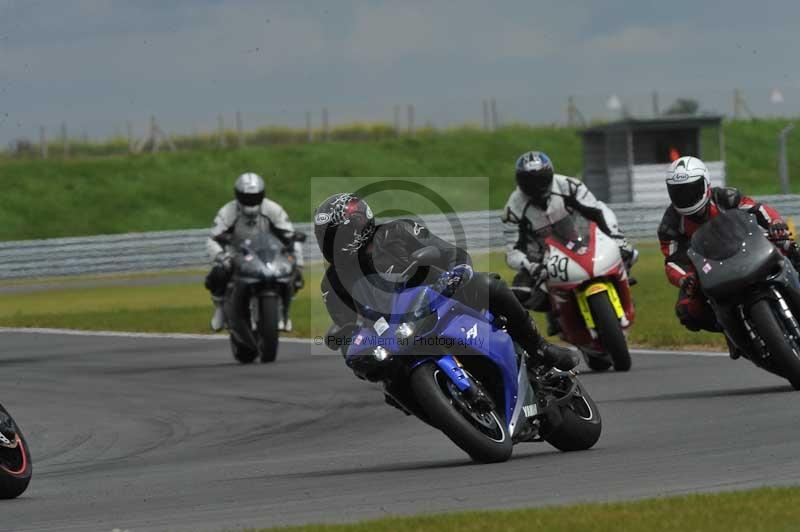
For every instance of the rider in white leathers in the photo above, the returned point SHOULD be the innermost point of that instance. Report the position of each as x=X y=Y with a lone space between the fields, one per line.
x=541 y=199
x=250 y=211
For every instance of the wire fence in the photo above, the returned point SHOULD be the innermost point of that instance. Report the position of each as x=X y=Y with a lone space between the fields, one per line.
x=170 y=250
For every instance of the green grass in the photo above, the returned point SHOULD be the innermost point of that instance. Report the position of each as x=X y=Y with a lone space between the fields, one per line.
x=113 y=194
x=181 y=307
x=760 y=510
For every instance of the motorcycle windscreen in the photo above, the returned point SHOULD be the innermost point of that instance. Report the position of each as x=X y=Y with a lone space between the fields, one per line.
x=374 y=295
x=264 y=244
x=573 y=232
x=730 y=253
x=722 y=237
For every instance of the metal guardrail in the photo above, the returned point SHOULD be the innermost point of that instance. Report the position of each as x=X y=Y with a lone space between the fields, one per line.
x=169 y=250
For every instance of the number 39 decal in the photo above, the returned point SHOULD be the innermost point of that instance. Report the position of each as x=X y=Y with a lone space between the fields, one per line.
x=557 y=267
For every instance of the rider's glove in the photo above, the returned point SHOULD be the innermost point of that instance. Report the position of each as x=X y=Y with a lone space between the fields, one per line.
x=689 y=284
x=627 y=252
x=224 y=260
x=538 y=273
x=448 y=282
x=778 y=230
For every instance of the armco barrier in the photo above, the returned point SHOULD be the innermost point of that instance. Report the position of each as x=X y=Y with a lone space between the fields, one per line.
x=165 y=250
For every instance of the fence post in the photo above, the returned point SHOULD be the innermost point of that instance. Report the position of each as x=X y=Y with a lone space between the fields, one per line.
x=129 y=130
x=325 y=131
x=64 y=140
x=42 y=142
x=410 y=110
x=495 y=121
x=309 y=131
x=239 y=129
x=396 y=110
x=783 y=159
x=221 y=127
x=485 y=115
x=155 y=139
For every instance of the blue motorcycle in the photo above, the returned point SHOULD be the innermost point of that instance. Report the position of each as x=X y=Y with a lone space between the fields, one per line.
x=457 y=369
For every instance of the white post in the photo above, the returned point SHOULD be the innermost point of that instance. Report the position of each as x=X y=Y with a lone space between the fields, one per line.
x=325 y=131
x=783 y=159
x=309 y=131
x=396 y=110
x=410 y=111
x=485 y=115
x=495 y=121
x=64 y=140
x=129 y=128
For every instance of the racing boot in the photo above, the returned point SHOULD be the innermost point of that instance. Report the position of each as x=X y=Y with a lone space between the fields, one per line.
x=218 y=319
x=543 y=353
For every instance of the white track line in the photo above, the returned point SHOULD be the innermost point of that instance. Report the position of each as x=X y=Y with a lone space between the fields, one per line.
x=187 y=336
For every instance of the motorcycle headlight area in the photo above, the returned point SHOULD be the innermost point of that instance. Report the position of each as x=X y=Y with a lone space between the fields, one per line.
x=380 y=353
x=404 y=330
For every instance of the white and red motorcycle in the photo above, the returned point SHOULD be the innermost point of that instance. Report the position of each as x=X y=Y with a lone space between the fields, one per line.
x=589 y=291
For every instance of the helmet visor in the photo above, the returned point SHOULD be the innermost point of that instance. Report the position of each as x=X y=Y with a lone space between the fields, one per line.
x=536 y=187
x=250 y=199
x=685 y=196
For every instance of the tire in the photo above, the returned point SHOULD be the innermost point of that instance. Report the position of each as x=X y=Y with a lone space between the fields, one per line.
x=429 y=385
x=581 y=425
x=610 y=331
x=269 y=315
x=16 y=467
x=242 y=353
x=595 y=363
x=784 y=353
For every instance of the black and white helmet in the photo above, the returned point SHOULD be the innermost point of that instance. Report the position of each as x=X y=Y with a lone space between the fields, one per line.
x=249 y=190
x=343 y=223
x=688 y=185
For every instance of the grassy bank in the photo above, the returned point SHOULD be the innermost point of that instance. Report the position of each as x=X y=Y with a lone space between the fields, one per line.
x=182 y=307
x=761 y=510
x=94 y=195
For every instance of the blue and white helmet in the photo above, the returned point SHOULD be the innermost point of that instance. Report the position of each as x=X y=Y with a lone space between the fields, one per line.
x=688 y=185
x=249 y=190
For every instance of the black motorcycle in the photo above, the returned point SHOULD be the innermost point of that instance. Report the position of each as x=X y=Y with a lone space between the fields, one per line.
x=753 y=289
x=15 y=459
x=259 y=294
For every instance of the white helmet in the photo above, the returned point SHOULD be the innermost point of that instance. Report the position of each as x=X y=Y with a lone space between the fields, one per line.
x=249 y=190
x=688 y=185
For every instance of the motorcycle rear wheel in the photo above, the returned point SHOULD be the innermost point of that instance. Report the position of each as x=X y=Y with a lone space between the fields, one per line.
x=785 y=352
x=482 y=436
x=15 y=463
x=269 y=307
x=610 y=331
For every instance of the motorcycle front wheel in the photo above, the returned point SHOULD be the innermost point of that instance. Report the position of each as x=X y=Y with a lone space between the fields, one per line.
x=610 y=331
x=783 y=350
x=15 y=458
x=269 y=315
x=483 y=436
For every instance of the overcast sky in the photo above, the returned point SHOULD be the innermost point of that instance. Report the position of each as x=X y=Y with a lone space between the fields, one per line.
x=96 y=63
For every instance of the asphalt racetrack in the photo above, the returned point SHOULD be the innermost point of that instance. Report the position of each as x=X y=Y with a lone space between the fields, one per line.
x=171 y=434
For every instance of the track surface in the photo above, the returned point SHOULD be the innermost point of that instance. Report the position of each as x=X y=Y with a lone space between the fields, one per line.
x=169 y=434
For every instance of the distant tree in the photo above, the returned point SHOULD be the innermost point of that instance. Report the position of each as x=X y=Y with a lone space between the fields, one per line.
x=683 y=106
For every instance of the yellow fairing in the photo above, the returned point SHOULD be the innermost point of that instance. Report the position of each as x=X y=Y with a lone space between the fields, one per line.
x=595 y=288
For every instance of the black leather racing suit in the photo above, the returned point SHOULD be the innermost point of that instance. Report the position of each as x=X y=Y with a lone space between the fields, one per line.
x=389 y=252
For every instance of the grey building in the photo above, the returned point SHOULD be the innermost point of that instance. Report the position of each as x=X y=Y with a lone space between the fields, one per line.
x=626 y=161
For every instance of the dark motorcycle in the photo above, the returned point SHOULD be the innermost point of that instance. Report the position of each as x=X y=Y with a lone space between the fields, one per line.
x=259 y=295
x=753 y=289
x=15 y=459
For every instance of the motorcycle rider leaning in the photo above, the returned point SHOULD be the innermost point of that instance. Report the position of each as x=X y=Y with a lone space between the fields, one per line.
x=693 y=202
x=250 y=211
x=541 y=199
x=354 y=247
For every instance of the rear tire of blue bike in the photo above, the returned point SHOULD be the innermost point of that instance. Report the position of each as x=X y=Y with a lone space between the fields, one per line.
x=433 y=395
